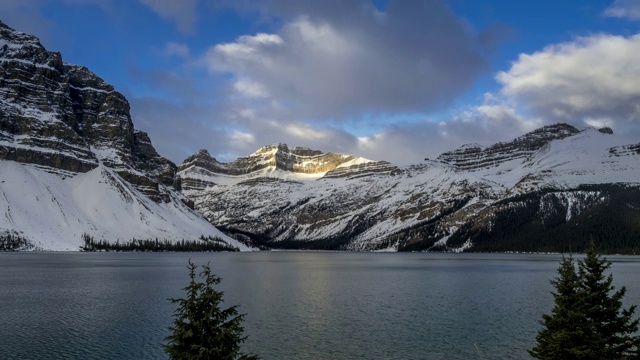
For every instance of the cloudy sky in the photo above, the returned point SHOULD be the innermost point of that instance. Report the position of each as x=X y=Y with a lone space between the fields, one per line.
x=396 y=80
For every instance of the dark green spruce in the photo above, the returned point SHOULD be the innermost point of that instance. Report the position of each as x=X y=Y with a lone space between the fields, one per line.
x=588 y=321
x=201 y=330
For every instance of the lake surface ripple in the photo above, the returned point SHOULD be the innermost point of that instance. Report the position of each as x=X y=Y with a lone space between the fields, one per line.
x=299 y=305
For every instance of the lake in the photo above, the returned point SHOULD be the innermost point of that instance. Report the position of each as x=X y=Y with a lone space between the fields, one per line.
x=299 y=305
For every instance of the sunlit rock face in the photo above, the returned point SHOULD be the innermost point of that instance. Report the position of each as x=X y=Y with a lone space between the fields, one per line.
x=277 y=159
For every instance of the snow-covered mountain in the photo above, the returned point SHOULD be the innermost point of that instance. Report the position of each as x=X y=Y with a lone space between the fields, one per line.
x=526 y=194
x=71 y=161
x=274 y=162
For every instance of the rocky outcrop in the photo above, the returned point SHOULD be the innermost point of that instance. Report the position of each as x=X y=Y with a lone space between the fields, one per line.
x=474 y=157
x=363 y=169
x=65 y=117
x=626 y=150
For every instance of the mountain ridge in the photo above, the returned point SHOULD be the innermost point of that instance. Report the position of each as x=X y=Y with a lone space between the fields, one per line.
x=277 y=161
x=423 y=206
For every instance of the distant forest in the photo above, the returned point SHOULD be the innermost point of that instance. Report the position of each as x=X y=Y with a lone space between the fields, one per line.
x=614 y=225
x=204 y=244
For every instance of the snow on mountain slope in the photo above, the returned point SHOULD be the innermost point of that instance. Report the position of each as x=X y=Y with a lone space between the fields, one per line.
x=350 y=212
x=53 y=210
x=474 y=157
x=418 y=207
x=588 y=157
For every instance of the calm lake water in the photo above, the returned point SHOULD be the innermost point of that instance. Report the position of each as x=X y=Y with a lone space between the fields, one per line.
x=299 y=305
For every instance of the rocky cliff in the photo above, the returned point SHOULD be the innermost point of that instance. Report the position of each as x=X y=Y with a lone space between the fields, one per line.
x=65 y=117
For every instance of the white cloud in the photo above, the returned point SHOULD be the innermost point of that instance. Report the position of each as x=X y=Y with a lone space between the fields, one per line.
x=590 y=81
x=337 y=59
x=629 y=9
x=305 y=132
x=243 y=138
x=182 y=12
x=593 y=77
x=599 y=123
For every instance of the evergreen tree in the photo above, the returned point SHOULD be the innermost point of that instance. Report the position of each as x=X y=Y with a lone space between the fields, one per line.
x=614 y=325
x=566 y=333
x=201 y=329
x=587 y=322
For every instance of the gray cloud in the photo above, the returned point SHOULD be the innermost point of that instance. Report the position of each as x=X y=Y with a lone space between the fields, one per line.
x=182 y=12
x=336 y=59
x=170 y=83
x=629 y=9
x=26 y=16
x=177 y=130
x=341 y=60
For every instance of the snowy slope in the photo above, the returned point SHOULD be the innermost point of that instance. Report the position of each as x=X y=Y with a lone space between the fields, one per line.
x=53 y=210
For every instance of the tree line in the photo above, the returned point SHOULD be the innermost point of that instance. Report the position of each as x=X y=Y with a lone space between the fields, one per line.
x=12 y=242
x=519 y=225
x=204 y=244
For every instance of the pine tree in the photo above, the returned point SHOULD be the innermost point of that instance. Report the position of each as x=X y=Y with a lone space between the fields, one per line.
x=587 y=322
x=201 y=329
x=613 y=324
x=566 y=333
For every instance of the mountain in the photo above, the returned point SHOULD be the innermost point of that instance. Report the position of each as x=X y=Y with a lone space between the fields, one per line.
x=72 y=163
x=549 y=190
x=276 y=161
x=475 y=157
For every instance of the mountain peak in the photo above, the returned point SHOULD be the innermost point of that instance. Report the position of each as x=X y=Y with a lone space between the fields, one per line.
x=285 y=149
x=64 y=117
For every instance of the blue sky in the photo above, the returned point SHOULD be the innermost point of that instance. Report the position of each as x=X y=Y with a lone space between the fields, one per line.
x=396 y=80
